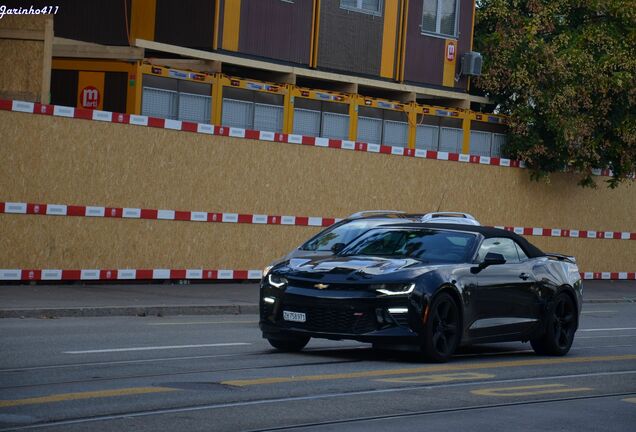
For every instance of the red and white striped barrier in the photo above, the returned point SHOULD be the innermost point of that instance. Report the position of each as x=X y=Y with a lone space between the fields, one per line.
x=186 y=126
x=194 y=274
x=126 y=274
x=263 y=219
x=156 y=214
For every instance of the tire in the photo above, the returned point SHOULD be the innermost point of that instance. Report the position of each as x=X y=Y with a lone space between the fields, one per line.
x=443 y=329
x=560 y=325
x=294 y=344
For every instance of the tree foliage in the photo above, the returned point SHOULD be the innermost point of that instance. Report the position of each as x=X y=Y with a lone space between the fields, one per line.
x=564 y=71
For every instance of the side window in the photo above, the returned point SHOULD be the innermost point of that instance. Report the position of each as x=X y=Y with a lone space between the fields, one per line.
x=522 y=254
x=503 y=246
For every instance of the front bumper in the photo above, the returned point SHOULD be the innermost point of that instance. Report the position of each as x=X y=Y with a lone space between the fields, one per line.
x=354 y=315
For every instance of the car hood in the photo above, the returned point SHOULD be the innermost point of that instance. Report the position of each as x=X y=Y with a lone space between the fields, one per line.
x=352 y=267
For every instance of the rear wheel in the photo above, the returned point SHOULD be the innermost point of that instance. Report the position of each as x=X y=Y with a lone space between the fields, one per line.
x=292 y=344
x=561 y=324
x=442 y=331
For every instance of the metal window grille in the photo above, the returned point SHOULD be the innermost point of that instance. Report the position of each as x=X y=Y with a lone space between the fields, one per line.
x=396 y=133
x=238 y=113
x=159 y=103
x=480 y=143
x=427 y=137
x=450 y=140
x=498 y=141
x=194 y=107
x=268 y=117
x=335 y=125
x=306 y=122
x=370 y=130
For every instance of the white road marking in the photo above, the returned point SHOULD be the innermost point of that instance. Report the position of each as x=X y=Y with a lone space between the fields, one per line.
x=605 y=336
x=152 y=348
x=597 y=311
x=608 y=329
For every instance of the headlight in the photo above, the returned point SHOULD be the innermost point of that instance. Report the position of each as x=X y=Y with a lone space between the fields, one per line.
x=394 y=289
x=276 y=281
x=266 y=270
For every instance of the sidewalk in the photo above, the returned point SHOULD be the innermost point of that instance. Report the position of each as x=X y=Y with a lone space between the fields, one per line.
x=81 y=299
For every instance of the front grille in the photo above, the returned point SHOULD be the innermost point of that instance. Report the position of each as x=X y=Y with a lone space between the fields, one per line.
x=300 y=283
x=332 y=320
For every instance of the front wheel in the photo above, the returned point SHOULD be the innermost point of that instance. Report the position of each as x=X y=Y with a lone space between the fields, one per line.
x=289 y=345
x=442 y=332
x=560 y=324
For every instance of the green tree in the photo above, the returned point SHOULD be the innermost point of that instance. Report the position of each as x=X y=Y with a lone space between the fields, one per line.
x=564 y=71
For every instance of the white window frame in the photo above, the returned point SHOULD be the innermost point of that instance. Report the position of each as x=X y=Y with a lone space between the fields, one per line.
x=359 y=8
x=438 y=22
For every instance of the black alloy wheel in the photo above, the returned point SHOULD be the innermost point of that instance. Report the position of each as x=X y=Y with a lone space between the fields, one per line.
x=561 y=323
x=292 y=344
x=442 y=331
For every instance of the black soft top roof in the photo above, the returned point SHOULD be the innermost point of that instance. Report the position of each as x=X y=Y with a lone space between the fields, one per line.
x=488 y=232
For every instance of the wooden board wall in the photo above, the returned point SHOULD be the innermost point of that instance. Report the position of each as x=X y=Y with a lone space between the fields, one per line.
x=25 y=50
x=66 y=161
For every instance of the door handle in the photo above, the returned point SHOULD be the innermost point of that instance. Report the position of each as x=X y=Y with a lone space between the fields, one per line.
x=524 y=276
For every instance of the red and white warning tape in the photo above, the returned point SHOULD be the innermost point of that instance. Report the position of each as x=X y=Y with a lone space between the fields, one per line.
x=197 y=216
x=179 y=125
x=194 y=274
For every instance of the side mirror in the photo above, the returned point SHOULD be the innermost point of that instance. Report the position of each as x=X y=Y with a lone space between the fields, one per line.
x=336 y=248
x=491 y=258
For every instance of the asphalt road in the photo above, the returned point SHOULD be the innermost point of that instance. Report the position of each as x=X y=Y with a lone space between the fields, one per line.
x=215 y=373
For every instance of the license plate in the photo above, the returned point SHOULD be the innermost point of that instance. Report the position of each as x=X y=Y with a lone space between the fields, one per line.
x=294 y=316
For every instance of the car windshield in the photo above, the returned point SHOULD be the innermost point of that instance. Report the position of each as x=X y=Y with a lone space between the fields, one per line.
x=344 y=233
x=426 y=245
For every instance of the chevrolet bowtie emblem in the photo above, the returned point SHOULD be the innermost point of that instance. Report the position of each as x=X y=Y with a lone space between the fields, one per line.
x=321 y=286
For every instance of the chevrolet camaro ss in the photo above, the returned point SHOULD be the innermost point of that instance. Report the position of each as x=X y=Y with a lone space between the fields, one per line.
x=433 y=287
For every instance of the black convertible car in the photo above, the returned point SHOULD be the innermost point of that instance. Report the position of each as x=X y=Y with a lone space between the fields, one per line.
x=431 y=286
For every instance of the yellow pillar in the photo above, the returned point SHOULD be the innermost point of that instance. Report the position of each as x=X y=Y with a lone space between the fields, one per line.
x=466 y=134
x=217 y=100
x=231 y=24
x=412 y=116
x=353 y=118
x=288 y=110
x=142 y=20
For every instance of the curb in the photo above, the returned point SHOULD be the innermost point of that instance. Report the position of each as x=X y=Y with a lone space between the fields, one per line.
x=171 y=310
x=129 y=311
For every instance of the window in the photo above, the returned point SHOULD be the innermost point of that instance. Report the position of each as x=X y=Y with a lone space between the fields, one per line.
x=373 y=7
x=440 y=16
x=503 y=246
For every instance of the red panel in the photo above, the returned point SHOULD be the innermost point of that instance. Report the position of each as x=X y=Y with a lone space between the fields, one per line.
x=36 y=208
x=360 y=146
x=302 y=220
x=148 y=214
x=547 y=232
x=245 y=218
x=156 y=122
x=453 y=156
x=71 y=274
x=43 y=109
x=333 y=143
x=328 y=222
x=273 y=220
x=1 y=207
x=221 y=130
x=527 y=231
x=385 y=149
x=215 y=217
x=177 y=274
x=210 y=274
x=29 y=274
x=115 y=212
x=307 y=140
x=431 y=154
x=189 y=126
x=108 y=274
x=252 y=134
x=240 y=274
x=121 y=118
x=73 y=210
x=495 y=161
x=82 y=113
x=182 y=215
x=6 y=105
x=144 y=274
